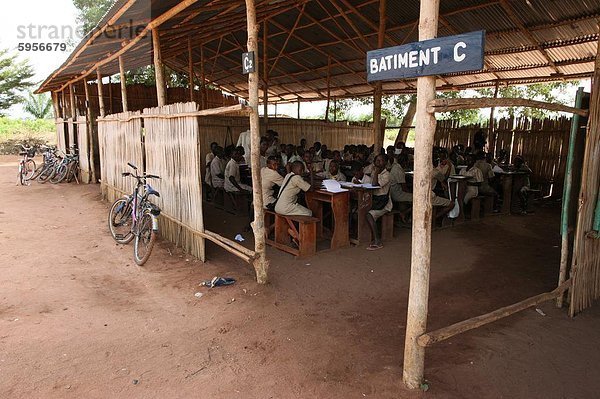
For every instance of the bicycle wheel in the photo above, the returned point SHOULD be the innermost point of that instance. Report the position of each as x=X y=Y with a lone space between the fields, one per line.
x=47 y=173
x=119 y=221
x=61 y=173
x=29 y=169
x=144 y=240
x=37 y=171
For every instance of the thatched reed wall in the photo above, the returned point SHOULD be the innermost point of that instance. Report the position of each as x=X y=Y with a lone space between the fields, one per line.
x=141 y=96
x=61 y=140
x=227 y=130
x=120 y=142
x=171 y=147
x=543 y=143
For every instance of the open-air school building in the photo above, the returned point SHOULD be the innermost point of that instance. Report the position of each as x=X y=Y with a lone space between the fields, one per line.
x=307 y=50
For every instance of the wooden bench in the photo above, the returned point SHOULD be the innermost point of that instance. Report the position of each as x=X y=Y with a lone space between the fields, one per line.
x=387 y=226
x=296 y=235
x=488 y=205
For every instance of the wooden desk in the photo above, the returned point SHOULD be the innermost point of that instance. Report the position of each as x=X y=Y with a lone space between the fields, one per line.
x=364 y=199
x=340 y=208
x=508 y=189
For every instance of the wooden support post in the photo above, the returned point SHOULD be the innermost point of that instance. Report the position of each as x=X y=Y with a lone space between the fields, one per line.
x=72 y=103
x=335 y=109
x=123 y=85
x=261 y=264
x=328 y=88
x=90 y=129
x=266 y=77
x=416 y=323
x=100 y=94
x=159 y=69
x=203 y=94
x=491 y=131
x=299 y=107
x=377 y=133
x=190 y=68
x=55 y=105
x=63 y=104
x=110 y=97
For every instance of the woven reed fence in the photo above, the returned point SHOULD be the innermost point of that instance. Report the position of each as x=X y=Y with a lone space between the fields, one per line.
x=83 y=148
x=171 y=147
x=120 y=142
x=543 y=143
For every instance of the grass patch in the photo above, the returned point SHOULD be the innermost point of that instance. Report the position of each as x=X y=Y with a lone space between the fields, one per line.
x=14 y=132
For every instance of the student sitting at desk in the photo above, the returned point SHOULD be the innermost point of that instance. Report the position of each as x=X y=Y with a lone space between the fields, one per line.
x=485 y=167
x=399 y=190
x=358 y=171
x=382 y=202
x=270 y=179
x=217 y=168
x=473 y=184
x=521 y=166
x=232 y=174
x=334 y=172
x=287 y=201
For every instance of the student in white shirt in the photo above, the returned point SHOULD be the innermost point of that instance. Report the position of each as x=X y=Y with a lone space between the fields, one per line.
x=477 y=178
x=209 y=158
x=270 y=178
x=382 y=203
x=334 y=172
x=232 y=174
x=217 y=168
x=287 y=202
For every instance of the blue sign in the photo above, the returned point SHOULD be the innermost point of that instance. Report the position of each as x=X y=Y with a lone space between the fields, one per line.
x=439 y=56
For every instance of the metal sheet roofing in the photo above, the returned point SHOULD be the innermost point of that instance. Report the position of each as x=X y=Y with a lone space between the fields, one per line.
x=527 y=41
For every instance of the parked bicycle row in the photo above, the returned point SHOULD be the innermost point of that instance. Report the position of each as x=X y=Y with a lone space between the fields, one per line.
x=56 y=166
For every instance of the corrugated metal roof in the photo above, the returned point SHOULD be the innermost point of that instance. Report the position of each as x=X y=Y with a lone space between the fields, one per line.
x=526 y=41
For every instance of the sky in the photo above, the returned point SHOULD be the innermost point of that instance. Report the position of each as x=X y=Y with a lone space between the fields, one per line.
x=44 y=17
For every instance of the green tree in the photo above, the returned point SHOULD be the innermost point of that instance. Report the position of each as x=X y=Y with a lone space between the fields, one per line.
x=39 y=106
x=15 y=77
x=90 y=12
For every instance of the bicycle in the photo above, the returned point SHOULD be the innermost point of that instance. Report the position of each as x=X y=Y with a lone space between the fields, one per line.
x=47 y=154
x=51 y=162
x=26 y=165
x=134 y=216
x=68 y=168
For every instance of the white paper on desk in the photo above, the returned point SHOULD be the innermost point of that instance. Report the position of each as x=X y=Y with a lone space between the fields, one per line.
x=497 y=169
x=333 y=186
x=369 y=185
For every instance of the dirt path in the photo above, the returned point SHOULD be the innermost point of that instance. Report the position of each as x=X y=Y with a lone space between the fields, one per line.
x=79 y=319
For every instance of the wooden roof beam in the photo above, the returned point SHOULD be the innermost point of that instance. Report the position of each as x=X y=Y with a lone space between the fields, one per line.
x=289 y=36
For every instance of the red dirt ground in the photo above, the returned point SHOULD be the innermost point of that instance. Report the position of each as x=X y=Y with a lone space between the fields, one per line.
x=78 y=318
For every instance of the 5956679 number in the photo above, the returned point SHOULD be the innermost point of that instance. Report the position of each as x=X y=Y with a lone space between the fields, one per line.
x=42 y=47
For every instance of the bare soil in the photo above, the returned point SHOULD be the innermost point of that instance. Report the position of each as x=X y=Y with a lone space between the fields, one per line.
x=79 y=319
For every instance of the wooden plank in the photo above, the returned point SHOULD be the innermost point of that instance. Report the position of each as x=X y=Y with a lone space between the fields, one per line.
x=123 y=85
x=239 y=109
x=454 y=104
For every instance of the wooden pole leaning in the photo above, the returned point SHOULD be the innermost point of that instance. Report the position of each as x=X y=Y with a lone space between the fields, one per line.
x=261 y=264
x=159 y=69
x=418 y=297
x=123 y=85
